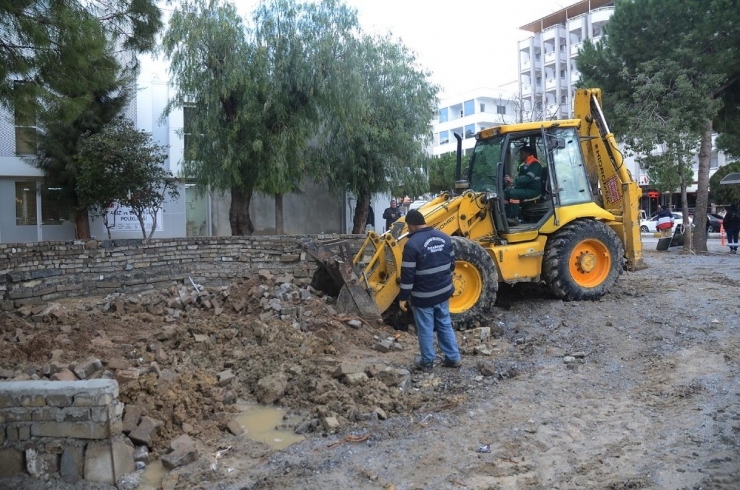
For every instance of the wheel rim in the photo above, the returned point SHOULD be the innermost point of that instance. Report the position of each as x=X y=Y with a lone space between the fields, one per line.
x=590 y=263
x=644 y=229
x=468 y=287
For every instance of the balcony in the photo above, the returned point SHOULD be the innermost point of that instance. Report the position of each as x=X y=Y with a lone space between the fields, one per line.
x=601 y=15
x=575 y=47
x=551 y=83
x=551 y=57
x=526 y=90
x=526 y=64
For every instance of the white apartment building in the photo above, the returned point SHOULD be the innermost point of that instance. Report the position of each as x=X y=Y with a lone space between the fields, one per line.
x=547 y=68
x=470 y=112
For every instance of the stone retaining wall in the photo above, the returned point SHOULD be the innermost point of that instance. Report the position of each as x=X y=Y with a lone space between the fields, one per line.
x=63 y=428
x=33 y=273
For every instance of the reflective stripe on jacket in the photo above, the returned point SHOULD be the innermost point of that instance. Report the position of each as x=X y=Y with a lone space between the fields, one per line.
x=426 y=268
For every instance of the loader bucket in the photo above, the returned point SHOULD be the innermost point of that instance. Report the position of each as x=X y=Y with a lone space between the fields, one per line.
x=336 y=277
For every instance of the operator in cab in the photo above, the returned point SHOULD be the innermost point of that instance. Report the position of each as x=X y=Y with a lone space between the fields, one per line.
x=526 y=185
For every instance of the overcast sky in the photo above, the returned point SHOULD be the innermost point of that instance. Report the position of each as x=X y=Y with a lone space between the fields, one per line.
x=466 y=44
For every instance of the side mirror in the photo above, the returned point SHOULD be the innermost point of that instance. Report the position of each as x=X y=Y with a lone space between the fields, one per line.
x=556 y=143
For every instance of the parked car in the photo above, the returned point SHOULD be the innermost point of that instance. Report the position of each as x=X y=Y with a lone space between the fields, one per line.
x=649 y=225
x=715 y=222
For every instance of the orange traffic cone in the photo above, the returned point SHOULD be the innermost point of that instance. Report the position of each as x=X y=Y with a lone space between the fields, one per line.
x=722 y=234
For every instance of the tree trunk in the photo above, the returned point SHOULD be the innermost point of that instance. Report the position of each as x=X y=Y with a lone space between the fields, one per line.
x=687 y=232
x=241 y=223
x=360 y=219
x=154 y=224
x=702 y=190
x=82 y=225
x=279 y=229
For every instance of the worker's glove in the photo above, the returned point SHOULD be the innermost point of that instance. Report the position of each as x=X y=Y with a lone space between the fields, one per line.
x=404 y=305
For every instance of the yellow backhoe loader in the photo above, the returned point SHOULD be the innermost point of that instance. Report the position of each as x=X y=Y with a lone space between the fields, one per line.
x=576 y=236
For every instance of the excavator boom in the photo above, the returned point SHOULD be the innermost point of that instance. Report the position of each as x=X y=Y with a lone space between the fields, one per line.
x=618 y=190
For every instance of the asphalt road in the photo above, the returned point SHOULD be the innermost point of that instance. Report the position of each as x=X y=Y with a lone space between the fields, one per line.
x=714 y=243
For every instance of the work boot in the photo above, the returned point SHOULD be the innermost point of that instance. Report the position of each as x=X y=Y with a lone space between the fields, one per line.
x=449 y=363
x=419 y=365
x=513 y=221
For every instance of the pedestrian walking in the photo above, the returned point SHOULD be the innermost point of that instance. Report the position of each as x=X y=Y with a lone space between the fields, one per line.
x=731 y=223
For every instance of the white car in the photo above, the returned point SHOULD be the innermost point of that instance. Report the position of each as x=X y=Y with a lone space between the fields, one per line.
x=649 y=225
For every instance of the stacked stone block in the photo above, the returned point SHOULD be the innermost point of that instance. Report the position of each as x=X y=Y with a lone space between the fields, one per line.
x=33 y=273
x=64 y=429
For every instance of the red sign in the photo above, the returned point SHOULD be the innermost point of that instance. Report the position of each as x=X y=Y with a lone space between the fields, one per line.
x=653 y=194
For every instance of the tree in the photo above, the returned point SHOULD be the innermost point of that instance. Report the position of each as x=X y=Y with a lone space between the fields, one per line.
x=44 y=42
x=725 y=194
x=212 y=66
x=441 y=171
x=258 y=94
x=373 y=141
x=120 y=166
x=690 y=46
x=296 y=46
x=64 y=72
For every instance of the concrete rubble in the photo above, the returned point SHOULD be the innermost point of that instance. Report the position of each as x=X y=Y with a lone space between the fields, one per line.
x=185 y=355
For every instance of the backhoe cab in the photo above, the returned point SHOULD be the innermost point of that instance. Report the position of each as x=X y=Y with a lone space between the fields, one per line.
x=572 y=235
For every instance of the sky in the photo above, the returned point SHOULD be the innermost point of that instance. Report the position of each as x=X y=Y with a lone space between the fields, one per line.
x=465 y=44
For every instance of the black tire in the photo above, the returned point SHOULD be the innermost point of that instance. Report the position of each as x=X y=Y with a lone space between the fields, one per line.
x=475 y=269
x=582 y=260
x=644 y=229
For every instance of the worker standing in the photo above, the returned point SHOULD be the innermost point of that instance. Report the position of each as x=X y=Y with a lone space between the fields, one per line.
x=391 y=214
x=426 y=282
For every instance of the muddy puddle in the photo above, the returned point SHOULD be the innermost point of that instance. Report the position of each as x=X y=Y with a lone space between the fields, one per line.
x=263 y=424
x=153 y=475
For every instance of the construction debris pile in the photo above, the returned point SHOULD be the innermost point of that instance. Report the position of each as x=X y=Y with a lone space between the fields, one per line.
x=188 y=358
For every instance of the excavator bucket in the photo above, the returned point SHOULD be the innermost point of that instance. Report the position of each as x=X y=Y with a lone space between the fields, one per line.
x=336 y=276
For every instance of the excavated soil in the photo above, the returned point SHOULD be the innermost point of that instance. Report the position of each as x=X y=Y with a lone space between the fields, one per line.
x=638 y=390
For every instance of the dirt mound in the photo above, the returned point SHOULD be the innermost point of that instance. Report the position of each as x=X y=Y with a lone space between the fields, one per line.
x=187 y=354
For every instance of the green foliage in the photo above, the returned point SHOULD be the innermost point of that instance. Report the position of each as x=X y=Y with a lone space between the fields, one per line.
x=53 y=43
x=725 y=194
x=121 y=166
x=442 y=172
x=373 y=141
x=698 y=37
x=300 y=91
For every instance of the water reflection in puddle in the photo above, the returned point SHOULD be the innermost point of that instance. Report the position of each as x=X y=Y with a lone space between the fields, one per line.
x=260 y=422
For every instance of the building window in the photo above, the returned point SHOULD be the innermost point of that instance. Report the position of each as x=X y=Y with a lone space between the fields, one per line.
x=470 y=130
x=500 y=109
x=563 y=99
x=25 y=124
x=25 y=203
x=562 y=73
x=469 y=107
x=713 y=161
x=444 y=137
x=537 y=57
x=483 y=107
x=443 y=115
x=538 y=81
x=56 y=208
